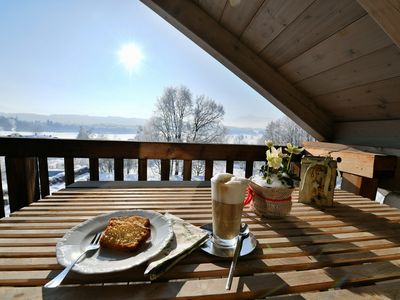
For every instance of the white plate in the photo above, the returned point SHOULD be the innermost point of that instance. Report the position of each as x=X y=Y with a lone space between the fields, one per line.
x=104 y=260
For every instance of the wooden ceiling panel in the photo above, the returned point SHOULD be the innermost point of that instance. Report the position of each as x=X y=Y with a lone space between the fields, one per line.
x=376 y=93
x=387 y=111
x=319 y=21
x=271 y=19
x=380 y=65
x=212 y=7
x=236 y=18
x=371 y=133
x=377 y=101
x=359 y=38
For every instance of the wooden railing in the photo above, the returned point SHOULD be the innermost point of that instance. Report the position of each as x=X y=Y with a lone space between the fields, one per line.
x=27 y=167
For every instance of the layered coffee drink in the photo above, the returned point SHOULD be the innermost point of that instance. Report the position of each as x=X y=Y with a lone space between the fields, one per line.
x=228 y=193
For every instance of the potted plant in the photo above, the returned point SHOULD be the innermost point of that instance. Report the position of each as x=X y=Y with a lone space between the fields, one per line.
x=270 y=193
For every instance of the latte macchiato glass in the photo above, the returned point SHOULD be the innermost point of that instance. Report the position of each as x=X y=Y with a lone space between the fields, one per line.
x=228 y=193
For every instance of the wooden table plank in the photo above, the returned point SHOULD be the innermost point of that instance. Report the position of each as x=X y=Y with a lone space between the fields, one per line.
x=311 y=249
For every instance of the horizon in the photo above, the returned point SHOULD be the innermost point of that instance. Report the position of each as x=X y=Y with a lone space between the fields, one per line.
x=44 y=117
x=104 y=59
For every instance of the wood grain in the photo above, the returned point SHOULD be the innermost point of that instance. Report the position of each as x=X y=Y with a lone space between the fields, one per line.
x=355 y=40
x=373 y=101
x=271 y=19
x=237 y=18
x=380 y=65
x=319 y=21
x=213 y=8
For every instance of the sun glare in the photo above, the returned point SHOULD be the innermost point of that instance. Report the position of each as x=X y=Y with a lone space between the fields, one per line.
x=130 y=56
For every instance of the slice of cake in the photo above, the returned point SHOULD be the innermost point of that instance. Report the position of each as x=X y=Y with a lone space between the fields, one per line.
x=126 y=233
x=132 y=219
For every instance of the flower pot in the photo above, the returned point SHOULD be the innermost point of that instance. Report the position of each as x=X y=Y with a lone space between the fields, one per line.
x=273 y=202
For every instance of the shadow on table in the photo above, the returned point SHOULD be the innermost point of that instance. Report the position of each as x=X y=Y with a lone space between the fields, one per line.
x=361 y=256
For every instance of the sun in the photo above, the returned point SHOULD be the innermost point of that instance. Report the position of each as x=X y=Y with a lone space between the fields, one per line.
x=130 y=56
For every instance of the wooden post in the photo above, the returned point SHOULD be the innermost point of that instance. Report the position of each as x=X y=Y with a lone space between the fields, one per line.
x=118 y=169
x=208 y=173
x=69 y=171
x=229 y=166
x=23 y=187
x=2 y=211
x=44 y=176
x=165 y=169
x=142 y=169
x=187 y=170
x=249 y=169
x=94 y=168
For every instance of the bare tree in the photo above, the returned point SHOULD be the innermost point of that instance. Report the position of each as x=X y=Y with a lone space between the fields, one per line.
x=284 y=130
x=176 y=119
x=172 y=109
x=206 y=126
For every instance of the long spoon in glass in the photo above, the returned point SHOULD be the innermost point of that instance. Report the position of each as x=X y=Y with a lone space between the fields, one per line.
x=244 y=232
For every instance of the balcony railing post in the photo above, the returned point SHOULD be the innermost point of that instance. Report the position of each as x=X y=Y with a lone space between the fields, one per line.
x=165 y=169
x=44 y=176
x=2 y=211
x=208 y=173
x=22 y=181
x=94 y=168
x=187 y=170
x=142 y=170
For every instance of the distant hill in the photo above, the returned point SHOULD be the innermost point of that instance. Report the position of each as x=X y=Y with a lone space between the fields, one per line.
x=244 y=130
x=100 y=125
x=83 y=120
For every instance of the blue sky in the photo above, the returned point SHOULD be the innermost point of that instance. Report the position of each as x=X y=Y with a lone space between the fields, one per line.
x=61 y=57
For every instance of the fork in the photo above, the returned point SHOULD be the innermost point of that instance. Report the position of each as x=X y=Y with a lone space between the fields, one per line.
x=94 y=245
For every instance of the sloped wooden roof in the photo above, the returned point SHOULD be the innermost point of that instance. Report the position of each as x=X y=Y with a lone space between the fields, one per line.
x=332 y=66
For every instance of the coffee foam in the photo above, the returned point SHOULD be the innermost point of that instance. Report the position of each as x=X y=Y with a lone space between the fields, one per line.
x=227 y=188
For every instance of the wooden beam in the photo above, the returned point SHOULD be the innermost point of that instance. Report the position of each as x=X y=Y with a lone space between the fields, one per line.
x=386 y=13
x=191 y=20
x=369 y=133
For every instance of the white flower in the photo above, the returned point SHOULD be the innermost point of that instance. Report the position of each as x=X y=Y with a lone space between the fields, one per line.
x=293 y=149
x=269 y=144
x=274 y=157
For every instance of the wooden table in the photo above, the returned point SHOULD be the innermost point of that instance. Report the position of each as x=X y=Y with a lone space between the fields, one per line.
x=342 y=251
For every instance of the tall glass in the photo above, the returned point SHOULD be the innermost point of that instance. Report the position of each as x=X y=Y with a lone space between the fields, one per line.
x=228 y=193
